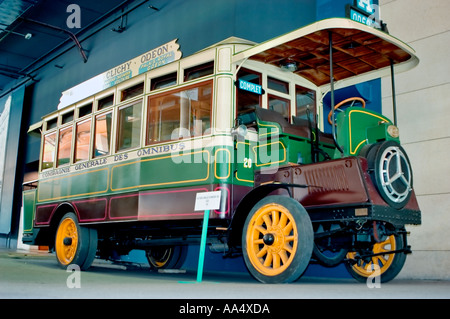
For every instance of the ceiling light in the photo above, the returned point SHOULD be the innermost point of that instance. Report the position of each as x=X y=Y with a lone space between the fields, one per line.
x=26 y=36
x=289 y=65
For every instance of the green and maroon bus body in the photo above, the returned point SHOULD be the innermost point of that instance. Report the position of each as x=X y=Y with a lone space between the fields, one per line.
x=120 y=170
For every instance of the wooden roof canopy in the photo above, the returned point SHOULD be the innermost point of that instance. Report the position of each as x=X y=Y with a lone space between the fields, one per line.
x=357 y=49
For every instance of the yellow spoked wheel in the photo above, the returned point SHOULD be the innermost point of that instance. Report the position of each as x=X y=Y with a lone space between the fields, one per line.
x=387 y=266
x=277 y=240
x=171 y=257
x=66 y=243
x=75 y=244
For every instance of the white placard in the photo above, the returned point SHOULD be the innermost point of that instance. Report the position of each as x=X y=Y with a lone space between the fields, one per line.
x=207 y=201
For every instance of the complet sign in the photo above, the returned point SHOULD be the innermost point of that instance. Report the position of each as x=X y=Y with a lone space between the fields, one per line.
x=150 y=60
x=250 y=87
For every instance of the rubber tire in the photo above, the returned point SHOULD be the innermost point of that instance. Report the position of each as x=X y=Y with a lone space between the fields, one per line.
x=329 y=261
x=86 y=248
x=177 y=257
x=305 y=241
x=374 y=157
x=390 y=273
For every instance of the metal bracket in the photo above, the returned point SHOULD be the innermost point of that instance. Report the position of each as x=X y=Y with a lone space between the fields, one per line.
x=70 y=34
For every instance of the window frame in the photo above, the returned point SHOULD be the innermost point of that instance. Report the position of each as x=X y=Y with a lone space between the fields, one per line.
x=274 y=96
x=188 y=71
x=75 y=144
x=119 y=128
x=111 y=134
x=260 y=75
x=58 y=151
x=104 y=95
x=315 y=112
x=210 y=82
x=55 y=147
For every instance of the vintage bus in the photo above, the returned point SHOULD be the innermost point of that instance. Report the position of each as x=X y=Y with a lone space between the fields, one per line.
x=120 y=170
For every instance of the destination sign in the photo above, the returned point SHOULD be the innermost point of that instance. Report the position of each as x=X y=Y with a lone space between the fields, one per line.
x=366 y=5
x=365 y=12
x=147 y=61
x=362 y=18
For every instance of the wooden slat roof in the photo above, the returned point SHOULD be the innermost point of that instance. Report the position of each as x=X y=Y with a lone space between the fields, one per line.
x=357 y=49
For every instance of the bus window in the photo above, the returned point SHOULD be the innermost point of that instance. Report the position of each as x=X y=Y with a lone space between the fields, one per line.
x=280 y=105
x=163 y=81
x=199 y=71
x=247 y=101
x=83 y=134
x=102 y=134
x=105 y=102
x=129 y=129
x=132 y=91
x=49 y=150
x=85 y=110
x=306 y=103
x=64 y=146
x=277 y=85
x=66 y=118
x=51 y=124
x=178 y=114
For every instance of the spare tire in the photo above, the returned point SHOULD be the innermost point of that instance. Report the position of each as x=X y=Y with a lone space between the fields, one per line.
x=391 y=172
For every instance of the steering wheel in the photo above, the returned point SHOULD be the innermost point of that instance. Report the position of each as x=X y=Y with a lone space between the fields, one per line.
x=352 y=99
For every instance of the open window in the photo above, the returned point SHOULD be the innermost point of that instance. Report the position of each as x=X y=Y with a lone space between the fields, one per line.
x=64 y=146
x=105 y=102
x=48 y=152
x=102 y=134
x=132 y=91
x=199 y=71
x=82 y=140
x=163 y=81
x=129 y=128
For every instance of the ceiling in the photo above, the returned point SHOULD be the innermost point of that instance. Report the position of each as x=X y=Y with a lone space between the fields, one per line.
x=32 y=30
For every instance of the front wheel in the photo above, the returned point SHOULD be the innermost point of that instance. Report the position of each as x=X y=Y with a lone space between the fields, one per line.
x=75 y=244
x=277 y=240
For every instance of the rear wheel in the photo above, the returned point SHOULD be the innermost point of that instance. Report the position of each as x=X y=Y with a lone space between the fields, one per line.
x=75 y=244
x=277 y=240
x=387 y=266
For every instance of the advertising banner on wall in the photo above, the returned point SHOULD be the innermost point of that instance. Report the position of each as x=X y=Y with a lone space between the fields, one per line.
x=147 y=61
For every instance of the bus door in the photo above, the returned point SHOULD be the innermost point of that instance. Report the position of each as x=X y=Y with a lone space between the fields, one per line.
x=248 y=98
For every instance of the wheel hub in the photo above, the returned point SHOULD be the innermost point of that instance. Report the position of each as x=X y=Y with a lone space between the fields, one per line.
x=269 y=239
x=67 y=241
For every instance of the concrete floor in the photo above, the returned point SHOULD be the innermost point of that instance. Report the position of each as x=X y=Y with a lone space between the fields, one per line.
x=33 y=275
